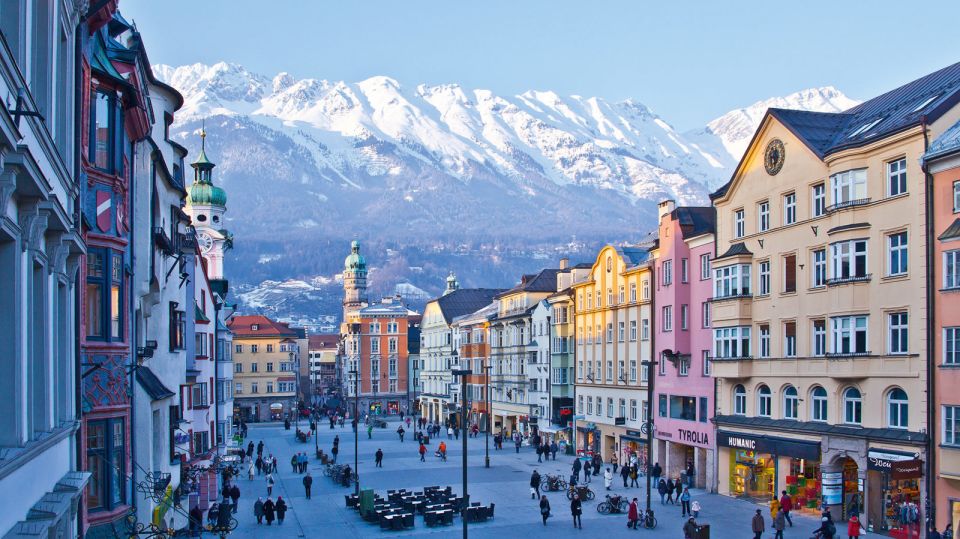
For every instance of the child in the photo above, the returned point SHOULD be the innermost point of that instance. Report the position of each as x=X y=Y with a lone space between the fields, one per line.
x=695 y=508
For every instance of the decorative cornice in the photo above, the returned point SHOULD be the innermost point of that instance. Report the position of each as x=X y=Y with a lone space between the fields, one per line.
x=33 y=221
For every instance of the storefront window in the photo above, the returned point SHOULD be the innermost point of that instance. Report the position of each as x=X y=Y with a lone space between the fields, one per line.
x=752 y=474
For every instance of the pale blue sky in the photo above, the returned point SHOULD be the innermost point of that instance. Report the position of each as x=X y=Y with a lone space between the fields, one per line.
x=690 y=61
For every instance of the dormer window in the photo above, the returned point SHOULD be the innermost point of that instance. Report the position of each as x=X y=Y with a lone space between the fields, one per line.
x=254 y=327
x=865 y=127
x=201 y=218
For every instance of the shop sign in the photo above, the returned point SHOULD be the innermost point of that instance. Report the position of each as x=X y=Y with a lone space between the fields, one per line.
x=740 y=442
x=770 y=445
x=636 y=433
x=692 y=436
x=907 y=469
x=883 y=460
x=619 y=421
x=832 y=487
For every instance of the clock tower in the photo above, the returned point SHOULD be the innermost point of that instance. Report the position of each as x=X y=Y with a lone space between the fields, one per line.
x=206 y=206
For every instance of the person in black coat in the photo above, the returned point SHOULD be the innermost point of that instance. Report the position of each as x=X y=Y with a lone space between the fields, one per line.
x=662 y=490
x=268 y=511
x=670 y=491
x=576 y=509
x=544 y=509
x=307 y=483
x=576 y=467
x=235 y=496
x=625 y=474
x=535 y=485
x=196 y=521
x=281 y=508
x=378 y=456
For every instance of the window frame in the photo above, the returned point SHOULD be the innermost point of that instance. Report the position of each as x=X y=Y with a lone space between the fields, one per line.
x=898 y=333
x=764 y=401
x=898 y=253
x=791 y=403
x=112 y=459
x=852 y=406
x=819 y=405
x=819 y=199
x=854 y=328
x=789 y=208
x=845 y=255
x=900 y=174
x=739 y=400
x=763 y=278
x=739 y=223
x=950 y=345
x=763 y=216
x=819 y=275
x=113 y=118
x=951 y=269
x=902 y=407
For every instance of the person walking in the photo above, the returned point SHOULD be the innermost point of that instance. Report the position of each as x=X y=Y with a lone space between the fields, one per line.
x=449 y=433
x=235 y=496
x=662 y=490
x=275 y=467
x=553 y=449
x=689 y=528
x=615 y=462
x=786 y=503
x=779 y=523
x=695 y=508
x=196 y=521
x=400 y=433
x=378 y=457
x=656 y=472
x=634 y=474
x=260 y=448
x=281 y=509
x=685 y=502
x=423 y=451
x=669 y=487
x=539 y=453
x=307 y=483
x=268 y=511
x=607 y=478
x=257 y=510
x=757 y=525
x=259 y=463
x=597 y=464
x=677 y=489
x=853 y=528
x=369 y=432
x=577 y=465
x=690 y=474
x=295 y=462
x=269 y=485
x=251 y=470
x=625 y=474
x=544 y=509
x=443 y=451
x=534 y=485
x=774 y=507
x=517 y=440
x=576 y=509
x=633 y=514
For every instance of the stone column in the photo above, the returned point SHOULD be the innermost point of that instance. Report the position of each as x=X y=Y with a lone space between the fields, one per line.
x=836 y=509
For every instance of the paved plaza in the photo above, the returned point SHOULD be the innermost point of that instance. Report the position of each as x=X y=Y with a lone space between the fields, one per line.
x=505 y=483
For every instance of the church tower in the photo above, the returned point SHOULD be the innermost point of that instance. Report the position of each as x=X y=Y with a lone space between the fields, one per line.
x=354 y=282
x=206 y=206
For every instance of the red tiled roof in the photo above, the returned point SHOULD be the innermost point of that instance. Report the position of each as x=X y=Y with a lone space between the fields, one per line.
x=319 y=342
x=242 y=326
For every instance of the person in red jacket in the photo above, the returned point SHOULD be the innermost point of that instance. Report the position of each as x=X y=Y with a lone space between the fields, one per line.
x=633 y=514
x=423 y=451
x=786 y=503
x=853 y=527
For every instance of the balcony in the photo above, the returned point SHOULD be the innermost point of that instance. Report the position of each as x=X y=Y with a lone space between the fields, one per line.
x=839 y=367
x=847 y=204
x=837 y=281
x=162 y=241
x=736 y=309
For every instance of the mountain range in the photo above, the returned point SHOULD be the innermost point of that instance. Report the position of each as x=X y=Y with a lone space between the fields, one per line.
x=441 y=175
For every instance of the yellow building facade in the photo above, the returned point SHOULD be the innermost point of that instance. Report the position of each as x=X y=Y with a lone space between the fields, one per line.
x=265 y=355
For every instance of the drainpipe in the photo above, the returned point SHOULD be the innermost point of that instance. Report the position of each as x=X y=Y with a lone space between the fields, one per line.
x=931 y=505
x=131 y=309
x=78 y=148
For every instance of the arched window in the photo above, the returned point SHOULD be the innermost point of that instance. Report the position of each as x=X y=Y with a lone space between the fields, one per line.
x=791 y=403
x=897 y=408
x=764 y=401
x=852 y=406
x=739 y=400
x=609 y=264
x=819 y=404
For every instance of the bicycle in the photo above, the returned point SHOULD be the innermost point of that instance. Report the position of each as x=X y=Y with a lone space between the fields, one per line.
x=647 y=520
x=584 y=492
x=613 y=504
x=553 y=483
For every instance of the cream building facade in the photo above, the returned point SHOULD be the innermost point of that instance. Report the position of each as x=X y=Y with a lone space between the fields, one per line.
x=819 y=302
x=265 y=358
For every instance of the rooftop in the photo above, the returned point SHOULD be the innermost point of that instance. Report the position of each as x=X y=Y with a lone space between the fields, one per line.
x=259 y=326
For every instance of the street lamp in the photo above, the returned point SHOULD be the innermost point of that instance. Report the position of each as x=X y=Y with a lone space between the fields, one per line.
x=486 y=435
x=356 y=430
x=651 y=376
x=463 y=373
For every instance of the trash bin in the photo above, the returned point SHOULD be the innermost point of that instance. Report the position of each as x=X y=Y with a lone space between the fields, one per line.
x=426 y=440
x=702 y=532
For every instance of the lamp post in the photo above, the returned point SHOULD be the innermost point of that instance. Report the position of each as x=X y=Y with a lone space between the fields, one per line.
x=486 y=435
x=651 y=376
x=356 y=430
x=463 y=373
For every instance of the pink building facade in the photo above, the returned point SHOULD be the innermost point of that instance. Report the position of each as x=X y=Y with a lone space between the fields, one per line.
x=683 y=388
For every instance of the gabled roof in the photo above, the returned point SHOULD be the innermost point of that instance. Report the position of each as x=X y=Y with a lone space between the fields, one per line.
x=695 y=220
x=152 y=385
x=242 y=326
x=736 y=249
x=923 y=100
x=464 y=301
x=322 y=342
x=952 y=232
x=545 y=281
x=396 y=309
x=484 y=313
x=947 y=143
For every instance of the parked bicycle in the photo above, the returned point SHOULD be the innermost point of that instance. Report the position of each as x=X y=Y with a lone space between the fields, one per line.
x=584 y=492
x=614 y=505
x=552 y=483
x=647 y=520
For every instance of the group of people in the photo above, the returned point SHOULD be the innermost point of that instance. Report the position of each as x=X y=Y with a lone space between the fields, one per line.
x=299 y=462
x=269 y=510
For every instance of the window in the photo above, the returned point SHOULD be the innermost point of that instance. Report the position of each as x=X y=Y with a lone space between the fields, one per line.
x=104 y=295
x=790 y=209
x=897 y=254
x=253 y=348
x=763 y=216
x=790 y=339
x=819 y=338
x=819 y=268
x=633 y=330
x=668 y=318
x=738 y=222
x=819 y=200
x=683 y=408
x=764 y=278
x=791 y=403
x=107 y=464
x=684 y=317
x=819 y=404
x=703 y=409
x=662 y=405
x=623 y=408
x=951 y=269
x=621 y=331
x=897 y=409
x=609 y=332
x=633 y=370
x=683 y=367
x=375 y=346
x=849 y=335
x=730 y=281
x=951 y=425
x=951 y=346
x=852 y=406
x=103 y=131
x=667 y=272
x=897 y=177
x=705 y=358
x=269 y=387
x=732 y=342
x=956 y=196
x=96 y=307
x=599 y=405
x=646 y=290
x=238 y=367
x=705 y=313
x=633 y=409
x=764 y=341
x=239 y=348
x=645 y=329
x=684 y=270
x=621 y=299
x=609 y=407
x=269 y=348
x=849 y=187
x=897 y=333
x=764 y=401
x=238 y=388
x=739 y=400
x=199 y=396
x=392 y=345
x=178 y=328
x=589 y=405
x=789 y=274
x=609 y=296
x=704 y=267
x=633 y=292
x=269 y=366
x=849 y=260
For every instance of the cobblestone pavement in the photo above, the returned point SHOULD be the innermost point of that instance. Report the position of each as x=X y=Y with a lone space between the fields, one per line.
x=505 y=483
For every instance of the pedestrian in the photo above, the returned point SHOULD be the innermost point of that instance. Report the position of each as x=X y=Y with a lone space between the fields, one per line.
x=685 y=502
x=827 y=528
x=634 y=474
x=690 y=528
x=786 y=503
x=662 y=490
x=774 y=507
x=539 y=453
x=576 y=509
x=677 y=490
x=251 y=470
x=443 y=451
x=456 y=433
x=257 y=510
x=553 y=449
x=400 y=432
x=295 y=462
x=235 y=496
x=779 y=523
x=669 y=486
x=695 y=508
x=449 y=433
x=259 y=464
x=260 y=448
x=250 y=449
x=948 y=531
x=607 y=478
x=306 y=461
x=932 y=533
x=196 y=521
x=516 y=441
x=853 y=529
x=534 y=485
x=269 y=485
x=757 y=525
x=281 y=509
x=378 y=456
x=577 y=465
x=633 y=514
x=615 y=462
x=656 y=472
x=690 y=474
x=307 y=483
x=268 y=511
x=423 y=451
x=597 y=464
x=334 y=451
x=275 y=468
x=625 y=474
x=370 y=432
x=544 y=509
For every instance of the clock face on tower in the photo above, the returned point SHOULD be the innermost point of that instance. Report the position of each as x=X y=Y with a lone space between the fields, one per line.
x=206 y=242
x=773 y=157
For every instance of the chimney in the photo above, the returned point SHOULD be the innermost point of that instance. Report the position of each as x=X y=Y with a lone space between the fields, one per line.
x=665 y=207
x=564 y=262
